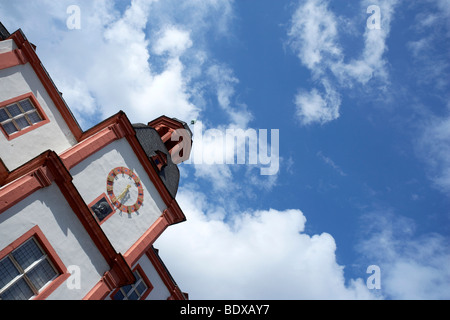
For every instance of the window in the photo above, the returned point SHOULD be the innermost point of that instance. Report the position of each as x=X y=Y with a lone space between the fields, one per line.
x=20 y=115
x=160 y=160
x=25 y=271
x=136 y=291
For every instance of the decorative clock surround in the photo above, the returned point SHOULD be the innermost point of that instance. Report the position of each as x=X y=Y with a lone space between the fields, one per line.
x=125 y=189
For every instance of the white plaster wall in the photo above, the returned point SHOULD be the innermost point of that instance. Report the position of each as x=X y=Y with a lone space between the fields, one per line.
x=48 y=209
x=54 y=135
x=89 y=176
x=160 y=291
x=7 y=46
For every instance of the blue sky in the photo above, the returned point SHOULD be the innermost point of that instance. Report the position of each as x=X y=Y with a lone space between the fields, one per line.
x=364 y=133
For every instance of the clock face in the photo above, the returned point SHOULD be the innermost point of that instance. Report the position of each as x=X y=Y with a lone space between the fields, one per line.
x=125 y=189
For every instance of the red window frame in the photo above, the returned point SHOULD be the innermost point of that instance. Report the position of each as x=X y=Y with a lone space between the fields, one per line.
x=38 y=235
x=38 y=108
x=144 y=277
x=160 y=160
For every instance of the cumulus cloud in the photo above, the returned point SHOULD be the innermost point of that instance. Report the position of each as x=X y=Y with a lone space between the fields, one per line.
x=258 y=254
x=148 y=58
x=172 y=40
x=136 y=59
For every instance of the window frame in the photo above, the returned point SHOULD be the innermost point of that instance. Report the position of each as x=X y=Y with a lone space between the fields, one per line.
x=30 y=96
x=35 y=234
x=160 y=159
x=143 y=278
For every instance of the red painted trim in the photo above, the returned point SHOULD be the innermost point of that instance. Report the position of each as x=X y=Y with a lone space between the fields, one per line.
x=43 y=171
x=18 y=190
x=144 y=278
x=38 y=107
x=165 y=121
x=146 y=281
x=160 y=160
x=176 y=294
x=118 y=276
x=12 y=58
x=37 y=233
x=4 y=172
x=23 y=181
x=88 y=147
x=112 y=129
x=146 y=241
x=29 y=55
x=165 y=127
x=174 y=213
x=103 y=195
x=48 y=167
x=99 y=292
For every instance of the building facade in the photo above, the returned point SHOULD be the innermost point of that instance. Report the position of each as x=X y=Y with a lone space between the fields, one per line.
x=80 y=210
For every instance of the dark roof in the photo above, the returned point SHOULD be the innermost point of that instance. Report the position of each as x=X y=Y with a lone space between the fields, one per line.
x=151 y=142
x=185 y=125
x=4 y=33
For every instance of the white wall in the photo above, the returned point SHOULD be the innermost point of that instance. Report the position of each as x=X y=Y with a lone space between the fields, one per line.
x=7 y=46
x=55 y=135
x=48 y=209
x=89 y=177
x=160 y=291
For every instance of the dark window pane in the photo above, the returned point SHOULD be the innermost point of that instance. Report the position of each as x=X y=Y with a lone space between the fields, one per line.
x=133 y=296
x=119 y=295
x=7 y=272
x=126 y=289
x=141 y=287
x=9 y=127
x=28 y=253
x=22 y=122
x=3 y=115
x=26 y=105
x=14 y=110
x=34 y=117
x=41 y=274
x=18 y=291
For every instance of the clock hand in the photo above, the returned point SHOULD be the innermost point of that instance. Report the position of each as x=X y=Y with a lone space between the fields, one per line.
x=124 y=192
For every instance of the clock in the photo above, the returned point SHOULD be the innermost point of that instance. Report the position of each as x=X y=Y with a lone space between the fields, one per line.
x=125 y=189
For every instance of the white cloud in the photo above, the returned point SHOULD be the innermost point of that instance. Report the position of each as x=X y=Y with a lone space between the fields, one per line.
x=173 y=40
x=223 y=81
x=314 y=37
x=434 y=149
x=412 y=266
x=331 y=163
x=371 y=64
x=252 y=255
x=313 y=34
x=151 y=59
x=137 y=60
x=314 y=107
x=222 y=153
x=431 y=68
